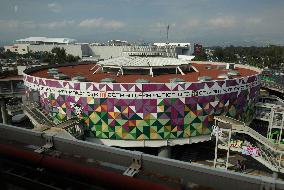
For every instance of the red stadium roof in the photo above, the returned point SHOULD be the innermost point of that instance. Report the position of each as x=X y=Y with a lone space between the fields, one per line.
x=84 y=70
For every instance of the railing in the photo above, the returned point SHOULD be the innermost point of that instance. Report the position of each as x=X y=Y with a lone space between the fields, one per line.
x=272 y=85
x=42 y=111
x=37 y=115
x=167 y=169
x=71 y=126
x=270 y=152
x=33 y=115
x=268 y=156
x=272 y=100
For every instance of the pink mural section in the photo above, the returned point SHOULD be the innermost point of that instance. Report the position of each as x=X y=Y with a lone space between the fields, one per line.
x=147 y=111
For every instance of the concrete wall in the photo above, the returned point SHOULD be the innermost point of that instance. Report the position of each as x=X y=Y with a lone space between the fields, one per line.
x=106 y=52
x=72 y=49
x=86 y=50
x=100 y=52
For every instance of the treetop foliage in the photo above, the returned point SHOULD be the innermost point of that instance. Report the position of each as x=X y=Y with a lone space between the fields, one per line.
x=271 y=56
x=56 y=56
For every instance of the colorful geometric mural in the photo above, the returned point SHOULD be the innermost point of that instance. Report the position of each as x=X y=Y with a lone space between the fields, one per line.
x=147 y=111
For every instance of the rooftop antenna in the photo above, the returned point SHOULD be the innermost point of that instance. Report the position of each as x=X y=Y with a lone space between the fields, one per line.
x=161 y=38
x=168 y=28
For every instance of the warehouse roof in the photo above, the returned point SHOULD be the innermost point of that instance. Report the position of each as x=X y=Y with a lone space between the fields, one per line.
x=129 y=62
x=46 y=40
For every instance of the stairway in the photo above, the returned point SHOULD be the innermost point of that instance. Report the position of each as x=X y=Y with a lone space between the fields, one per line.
x=37 y=116
x=43 y=121
x=270 y=153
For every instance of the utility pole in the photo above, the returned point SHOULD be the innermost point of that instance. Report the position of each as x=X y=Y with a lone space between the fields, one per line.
x=168 y=28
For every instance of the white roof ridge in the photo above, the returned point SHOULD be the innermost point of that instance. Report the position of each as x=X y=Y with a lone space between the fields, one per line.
x=143 y=62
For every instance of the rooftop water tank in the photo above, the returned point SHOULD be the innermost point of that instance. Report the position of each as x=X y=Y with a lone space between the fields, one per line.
x=223 y=76
x=60 y=76
x=142 y=81
x=52 y=72
x=233 y=73
x=107 y=80
x=78 y=78
x=204 y=78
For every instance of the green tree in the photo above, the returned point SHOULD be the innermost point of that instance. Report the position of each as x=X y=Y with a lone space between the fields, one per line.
x=201 y=56
x=8 y=55
x=218 y=54
x=56 y=56
x=60 y=55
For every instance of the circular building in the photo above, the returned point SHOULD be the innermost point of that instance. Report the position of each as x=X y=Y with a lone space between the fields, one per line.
x=144 y=101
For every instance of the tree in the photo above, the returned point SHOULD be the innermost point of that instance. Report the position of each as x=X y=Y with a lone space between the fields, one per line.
x=2 y=50
x=271 y=56
x=218 y=54
x=71 y=58
x=200 y=56
x=8 y=55
x=56 y=56
x=60 y=54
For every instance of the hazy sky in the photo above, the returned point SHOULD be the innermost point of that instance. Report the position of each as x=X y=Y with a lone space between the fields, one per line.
x=211 y=22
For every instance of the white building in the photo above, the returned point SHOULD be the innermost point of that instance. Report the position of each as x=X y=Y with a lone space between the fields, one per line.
x=37 y=44
x=45 y=40
x=18 y=48
x=116 y=48
x=180 y=48
x=118 y=43
x=172 y=44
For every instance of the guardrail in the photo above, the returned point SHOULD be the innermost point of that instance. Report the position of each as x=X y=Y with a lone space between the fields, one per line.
x=185 y=172
x=271 y=153
x=37 y=115
x=272 y=85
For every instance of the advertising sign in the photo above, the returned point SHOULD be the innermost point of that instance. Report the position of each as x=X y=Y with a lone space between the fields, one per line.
x=250 y=151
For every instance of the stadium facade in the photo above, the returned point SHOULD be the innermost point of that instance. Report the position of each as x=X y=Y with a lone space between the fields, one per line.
x=131 y=101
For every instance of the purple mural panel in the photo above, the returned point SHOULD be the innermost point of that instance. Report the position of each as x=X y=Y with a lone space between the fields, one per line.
x=168 y=112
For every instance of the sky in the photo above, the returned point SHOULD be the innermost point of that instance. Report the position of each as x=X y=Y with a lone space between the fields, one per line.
x=209 y=22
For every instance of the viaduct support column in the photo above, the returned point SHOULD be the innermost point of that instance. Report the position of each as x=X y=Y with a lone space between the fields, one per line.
x=274 y=175
x=4 y=112
x=165 y=152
